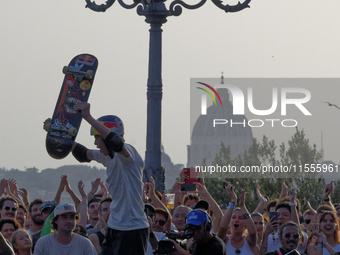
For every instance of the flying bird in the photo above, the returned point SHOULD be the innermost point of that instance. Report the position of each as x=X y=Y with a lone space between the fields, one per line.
x=330 y=104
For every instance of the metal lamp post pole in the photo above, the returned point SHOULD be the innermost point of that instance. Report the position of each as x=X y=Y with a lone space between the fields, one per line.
x=156 y=13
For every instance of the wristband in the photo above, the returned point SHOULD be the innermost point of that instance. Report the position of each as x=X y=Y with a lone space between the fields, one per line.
x=187 y=253
x=292 y=204
x=231 y=206
x=326 y=199
x=319 y=246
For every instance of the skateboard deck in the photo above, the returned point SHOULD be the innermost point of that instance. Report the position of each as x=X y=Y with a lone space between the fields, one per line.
x=76 y=87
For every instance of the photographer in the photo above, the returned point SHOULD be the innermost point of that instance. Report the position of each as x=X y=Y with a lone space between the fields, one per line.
x=205 y=242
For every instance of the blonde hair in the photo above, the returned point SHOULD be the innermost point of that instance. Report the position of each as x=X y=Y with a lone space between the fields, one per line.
x=14 y=238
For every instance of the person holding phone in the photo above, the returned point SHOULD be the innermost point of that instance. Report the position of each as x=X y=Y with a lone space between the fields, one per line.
x=285 y=212
x=289 y=235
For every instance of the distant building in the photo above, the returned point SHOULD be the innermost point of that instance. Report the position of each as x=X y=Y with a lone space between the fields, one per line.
x=206 y=141
x=172 y=170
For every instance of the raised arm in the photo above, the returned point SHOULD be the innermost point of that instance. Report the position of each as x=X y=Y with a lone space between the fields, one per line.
x=248 y=220
x=327 y=193
x=94 y=187
x=73 y=195
x=294 y=214
x=60 y=189
x=157 y=203
x=82 y=209
x=223 y=227
x=262 y=201
x=217 y=212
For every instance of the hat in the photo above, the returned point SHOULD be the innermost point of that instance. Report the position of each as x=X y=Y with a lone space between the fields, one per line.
x=197 y=217
x=64 y=208
x=47 y=205
x=163 y=212
x=202 y=204
x=149 y=208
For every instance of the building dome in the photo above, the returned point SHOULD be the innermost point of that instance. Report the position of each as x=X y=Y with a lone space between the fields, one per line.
x=206 y=139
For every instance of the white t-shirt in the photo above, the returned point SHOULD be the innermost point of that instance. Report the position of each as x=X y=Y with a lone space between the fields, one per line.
x=125 y=185
x=48 y=245
x=244 y=250
x=336 y=248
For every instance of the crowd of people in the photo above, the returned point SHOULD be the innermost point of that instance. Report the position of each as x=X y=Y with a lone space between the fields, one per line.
x=192 y=224
x=124 y=216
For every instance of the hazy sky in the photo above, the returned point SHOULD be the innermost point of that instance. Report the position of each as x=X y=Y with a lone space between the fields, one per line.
x=270 y=39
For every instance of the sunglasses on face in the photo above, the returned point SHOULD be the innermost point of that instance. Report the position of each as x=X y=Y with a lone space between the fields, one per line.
x=7 y=208
x=295 y=236
x=160 y=222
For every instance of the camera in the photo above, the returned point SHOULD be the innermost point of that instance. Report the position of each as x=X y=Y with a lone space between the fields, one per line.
x=166 y=246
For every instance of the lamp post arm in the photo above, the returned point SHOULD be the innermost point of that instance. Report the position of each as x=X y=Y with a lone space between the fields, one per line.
x=176 y=10
x=232 y=8
x=99 y=8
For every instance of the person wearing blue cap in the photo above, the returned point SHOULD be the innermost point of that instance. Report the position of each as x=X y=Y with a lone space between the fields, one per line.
x=205 y=243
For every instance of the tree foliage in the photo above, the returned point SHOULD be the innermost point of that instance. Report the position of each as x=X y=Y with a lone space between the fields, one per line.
x=294 y=155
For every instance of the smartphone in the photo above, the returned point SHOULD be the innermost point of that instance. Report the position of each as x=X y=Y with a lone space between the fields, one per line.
x=188 y=187
x=275 y=215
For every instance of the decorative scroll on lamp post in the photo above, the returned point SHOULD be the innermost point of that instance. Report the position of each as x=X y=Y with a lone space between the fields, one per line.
x=156 y=12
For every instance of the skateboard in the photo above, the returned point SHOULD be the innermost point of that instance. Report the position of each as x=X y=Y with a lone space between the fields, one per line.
x=76 y=87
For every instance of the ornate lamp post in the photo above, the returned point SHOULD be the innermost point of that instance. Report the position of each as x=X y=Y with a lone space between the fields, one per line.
x=156 y=12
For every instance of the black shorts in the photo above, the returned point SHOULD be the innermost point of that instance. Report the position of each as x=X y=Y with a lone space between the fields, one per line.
x=132 y=242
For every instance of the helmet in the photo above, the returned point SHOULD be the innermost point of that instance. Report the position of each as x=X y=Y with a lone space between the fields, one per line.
x=112 y=122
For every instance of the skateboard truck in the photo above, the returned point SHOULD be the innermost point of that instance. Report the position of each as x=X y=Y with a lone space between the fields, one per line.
x=78 y=74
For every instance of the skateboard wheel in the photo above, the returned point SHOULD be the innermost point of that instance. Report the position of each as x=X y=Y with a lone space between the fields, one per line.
x=72 y=132
x=89 y=74
x=65 y=69
x=47 y=127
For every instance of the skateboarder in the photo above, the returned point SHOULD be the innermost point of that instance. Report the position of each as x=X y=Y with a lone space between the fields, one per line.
x=128 y=228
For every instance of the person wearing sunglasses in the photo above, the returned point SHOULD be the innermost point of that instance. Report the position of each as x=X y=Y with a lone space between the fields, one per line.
x=289 y=235
x=160 y=221
x=8 y=208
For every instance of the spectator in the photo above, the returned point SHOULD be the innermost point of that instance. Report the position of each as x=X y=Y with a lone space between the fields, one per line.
x=36 y=216
x=22 y=215
x=240 y=220
x=179 y=217
x=308 y=218
x=92 y=208
x=22 y=242
x=204 y=241
x=64 y=240
x=8 y=208
x=329 y=226
x=190 y=200
x=97 y=237
x=258 y=220
x=7 y=227
x=287 y=211
x=289 y=235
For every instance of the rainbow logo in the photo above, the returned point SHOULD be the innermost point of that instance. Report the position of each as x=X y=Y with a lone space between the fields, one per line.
x=209 y=93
